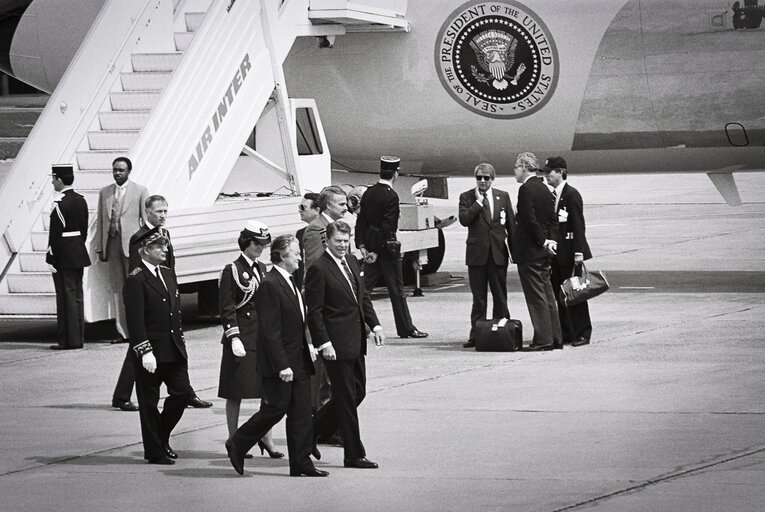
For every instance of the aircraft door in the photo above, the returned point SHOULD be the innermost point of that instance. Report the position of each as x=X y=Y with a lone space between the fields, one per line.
x=313 y=160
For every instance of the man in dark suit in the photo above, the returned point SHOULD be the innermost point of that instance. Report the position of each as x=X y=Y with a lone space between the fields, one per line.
x=532 y=246
x=67 y=257
x=120 y=213
x=488 y=214
x=308 y=210
x=284 y=361
x=376 y=229
x=153 y=311
x=573 y=249
x=156 y=215
x=339 y=307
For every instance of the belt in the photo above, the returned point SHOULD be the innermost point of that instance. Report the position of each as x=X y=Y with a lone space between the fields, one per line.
x=67 y=234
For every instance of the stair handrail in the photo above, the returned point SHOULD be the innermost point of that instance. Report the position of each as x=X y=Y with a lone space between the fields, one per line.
x=69 y=112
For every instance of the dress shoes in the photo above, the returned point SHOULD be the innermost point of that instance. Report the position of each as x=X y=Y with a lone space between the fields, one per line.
x=237 y=461
x=198 y=403
x=415 y=334
x=63 y=347
x=470 y=343
x=309 y=472
x=557 y=345
x=315 y=452
x=162 y=461
x=581 y=340
x=534 y=347
x=360 y=463
x=119 y=340
x=228 y=450
x=335 y=439
x=170 y=453
x=124 y=406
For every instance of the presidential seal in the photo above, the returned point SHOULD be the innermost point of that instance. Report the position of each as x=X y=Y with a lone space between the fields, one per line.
x=497 y=59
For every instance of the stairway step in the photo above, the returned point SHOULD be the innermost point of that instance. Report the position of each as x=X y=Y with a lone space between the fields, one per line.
x=145 y=81
x=156 y=61
x=30 y=282
x=28 y=303
x=131 y=100
x=124 y=120
x=96 y=160
x=113 y=139
x=17 y=122
x=183 y=40
x=194 y=20
x=93 y=180
x=33 y=262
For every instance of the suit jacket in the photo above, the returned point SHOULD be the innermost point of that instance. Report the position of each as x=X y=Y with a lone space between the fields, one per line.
x=132 y=214
x=487 y=236
x=333 y=312
x=237 y=287
x=315 y=239
x=68 y=231
x=153 y=313
x=135 y=258
x=570 y=234
x=378 y=218
x=281 y=341
x=534 y=222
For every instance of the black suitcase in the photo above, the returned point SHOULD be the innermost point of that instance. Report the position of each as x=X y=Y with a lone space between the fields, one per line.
x=490 y=337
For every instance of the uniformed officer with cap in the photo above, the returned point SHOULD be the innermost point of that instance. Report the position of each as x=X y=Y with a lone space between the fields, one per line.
x=237 y=286
x=153 y=311
x=376 y=229
x=67 y=256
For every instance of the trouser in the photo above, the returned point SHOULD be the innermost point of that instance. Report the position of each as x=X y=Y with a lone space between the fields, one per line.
x=155 y=427
x=540 y=299
x=70 y=317
x=118 y=271
x=493 y=277
x=390 y=269
x=574 y=320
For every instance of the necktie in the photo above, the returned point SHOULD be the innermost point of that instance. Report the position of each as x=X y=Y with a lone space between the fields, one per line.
x=255 y=272
x=351 y=279
x=159 y=276
x=116 y=209
x=299 y=297
x=486 y=205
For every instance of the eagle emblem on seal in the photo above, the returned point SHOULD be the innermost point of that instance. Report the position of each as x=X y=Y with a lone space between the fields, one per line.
x=495 y=52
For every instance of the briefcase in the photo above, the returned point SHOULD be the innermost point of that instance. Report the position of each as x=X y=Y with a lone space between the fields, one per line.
x=576 y=290
x=498 y=335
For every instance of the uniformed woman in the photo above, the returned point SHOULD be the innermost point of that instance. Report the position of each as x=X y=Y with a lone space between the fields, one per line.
x=237 y=286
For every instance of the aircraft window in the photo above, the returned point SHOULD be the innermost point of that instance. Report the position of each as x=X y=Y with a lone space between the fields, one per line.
x=736 y=134
x=308 y=140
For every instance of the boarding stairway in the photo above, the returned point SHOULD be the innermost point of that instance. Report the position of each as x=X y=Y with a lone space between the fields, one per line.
x=182 y=88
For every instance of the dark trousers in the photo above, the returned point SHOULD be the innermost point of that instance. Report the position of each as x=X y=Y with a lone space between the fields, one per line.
x=124 y=388
x=390 y=269
x=493 y=277
x=156 y=427
x=70 y=316
x=321 y=389
x=294 y=400
x=540 y=299
x=349 y=380
x=574 y=320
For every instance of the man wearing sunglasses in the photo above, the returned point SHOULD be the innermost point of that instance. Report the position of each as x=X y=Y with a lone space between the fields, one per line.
x=488 y=214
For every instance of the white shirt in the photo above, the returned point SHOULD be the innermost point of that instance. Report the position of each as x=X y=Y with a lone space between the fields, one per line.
x=153 y=270
x=558 y=191
x=489 y=196
x=252 y=266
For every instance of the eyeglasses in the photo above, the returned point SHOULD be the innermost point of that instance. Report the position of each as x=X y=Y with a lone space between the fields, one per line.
x=483 y=178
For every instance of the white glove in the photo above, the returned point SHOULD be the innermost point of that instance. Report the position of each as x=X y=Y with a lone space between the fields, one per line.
x=52 y=269
x=237 y=348
x=149 y=362
x=286 y=375
x=379 y=336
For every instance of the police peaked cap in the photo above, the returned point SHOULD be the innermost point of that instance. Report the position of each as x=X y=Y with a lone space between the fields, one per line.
x=389 y=163
x=154 y=235
x=256 y=230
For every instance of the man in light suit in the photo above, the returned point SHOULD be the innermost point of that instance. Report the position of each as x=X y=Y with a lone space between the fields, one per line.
x=339 y=307
x=488 y=214
x=532 y=247
x=573 y=249
x=284 y=361
x=67 y=256
x=120 y=213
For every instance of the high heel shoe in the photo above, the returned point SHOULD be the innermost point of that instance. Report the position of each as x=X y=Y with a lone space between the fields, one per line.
x=271 y=453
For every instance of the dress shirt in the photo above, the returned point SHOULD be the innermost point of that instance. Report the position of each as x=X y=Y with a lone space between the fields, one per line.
x=153 y=269
x=286 y=275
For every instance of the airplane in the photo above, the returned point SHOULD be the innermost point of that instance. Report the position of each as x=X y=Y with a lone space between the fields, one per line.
x=613 y=86
x=617 y=86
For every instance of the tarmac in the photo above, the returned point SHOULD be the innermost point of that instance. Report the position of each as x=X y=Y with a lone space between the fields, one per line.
x=662 y=411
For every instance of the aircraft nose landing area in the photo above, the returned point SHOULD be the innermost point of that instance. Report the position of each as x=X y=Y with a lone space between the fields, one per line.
x=662 y=411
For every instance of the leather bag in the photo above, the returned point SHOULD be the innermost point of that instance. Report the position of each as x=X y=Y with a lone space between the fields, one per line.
x=498 y=335
x=576 y=290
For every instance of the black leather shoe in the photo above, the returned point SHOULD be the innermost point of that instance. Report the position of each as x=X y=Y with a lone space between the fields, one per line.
x=361 y=463
x=119 y=340
x=315 y=452
x=309 y=472
x=124 y=406
x=63 y=347
x=197 y=403
x=558 y=345
x=469 y=343
x=416 y=334
x=162 y=461
x=236 y=460
x=538 y=348
x=581 y=340
x=170 y=453
x=335 y=439
x=228 y=450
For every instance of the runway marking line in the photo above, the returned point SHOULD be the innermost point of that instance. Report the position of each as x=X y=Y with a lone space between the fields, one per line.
x=637 y=288
x=447 y=287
